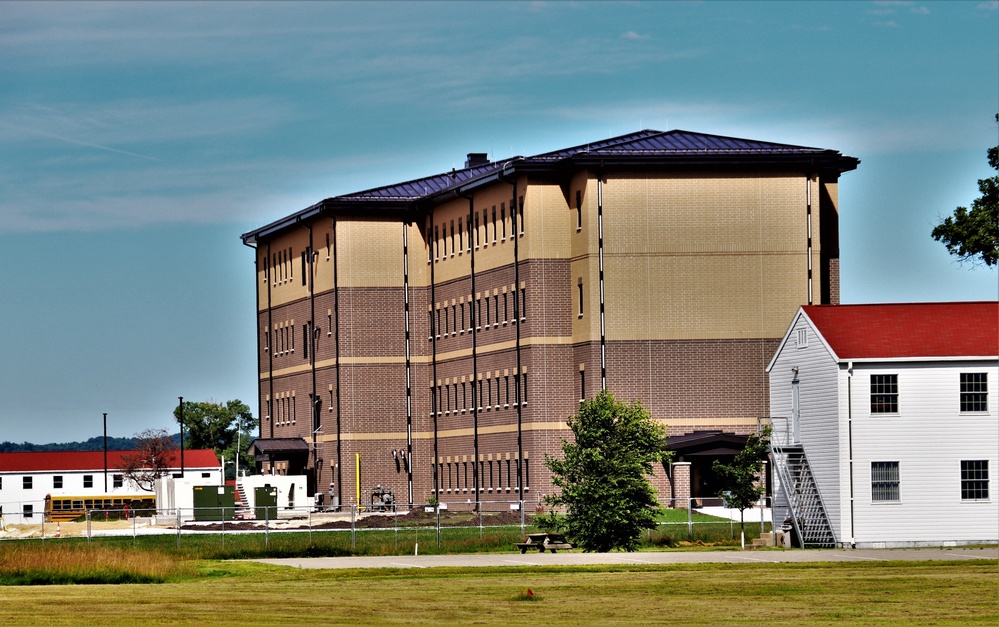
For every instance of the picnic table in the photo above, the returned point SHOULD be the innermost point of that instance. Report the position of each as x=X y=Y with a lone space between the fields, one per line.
x=543 y=541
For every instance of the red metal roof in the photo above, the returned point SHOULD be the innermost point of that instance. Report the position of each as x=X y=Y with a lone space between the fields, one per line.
x=909 y=330
x=93 y=460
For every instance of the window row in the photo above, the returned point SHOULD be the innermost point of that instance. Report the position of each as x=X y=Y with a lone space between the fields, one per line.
x=279 y=268
x=497 y=475
x=489 y=311
x=974 y=393
x=886 y=481
x=485 y=394
x=284 y=406
x=478 y=229
x=58 y=482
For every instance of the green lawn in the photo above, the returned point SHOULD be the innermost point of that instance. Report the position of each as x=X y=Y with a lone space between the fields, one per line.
x=243 y=593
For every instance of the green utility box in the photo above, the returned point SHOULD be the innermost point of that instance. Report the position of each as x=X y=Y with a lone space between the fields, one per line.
x=214 y=502
x=265 y=502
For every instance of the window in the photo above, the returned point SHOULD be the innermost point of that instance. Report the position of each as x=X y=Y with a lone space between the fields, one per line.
x=461 y=236
x=117 y=481
x=580 y=290
x=579 y=210
x=88 y=481
x=523 y=304
x=974 y=392
x=974 y=480
x=430 y=244
x=28 y=511
x=582 y=385
x=305 y=262
x=494 y=224
x=305 y=341
x=476 y=229
x=26 y=482
x=520 y=212
x=437 y=235
x=57 y=482
x=503 y=218
x=884 y=393
x=452 y=238
x=884 y=481
x=802 y=338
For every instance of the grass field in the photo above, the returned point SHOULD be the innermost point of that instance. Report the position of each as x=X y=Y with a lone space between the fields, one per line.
x=208 y=592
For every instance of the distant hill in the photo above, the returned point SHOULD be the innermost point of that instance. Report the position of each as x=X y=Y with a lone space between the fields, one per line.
x=93 y=444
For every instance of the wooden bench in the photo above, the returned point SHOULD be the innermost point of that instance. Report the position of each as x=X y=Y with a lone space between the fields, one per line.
x=544 y=541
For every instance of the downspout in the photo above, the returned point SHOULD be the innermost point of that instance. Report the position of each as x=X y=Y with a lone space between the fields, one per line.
x=600 y=253
x=808 y=221
x=336 y=350
x=475 y=365
x=409 y=380
x=432 y=242
x=516 y=319
x=270 y=353
x=849 y=431
x=314 y=402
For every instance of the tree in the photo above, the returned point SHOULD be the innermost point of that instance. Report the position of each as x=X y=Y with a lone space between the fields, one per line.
x=602 y=479
x=741 y=487
x=154 y=452
x=220 y=427
x=973 y=235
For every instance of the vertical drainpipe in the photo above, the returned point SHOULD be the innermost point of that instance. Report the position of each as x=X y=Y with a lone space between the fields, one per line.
x=516 y=318
x=432 y=241
x=314 y=405
x=849 y=423
x=336 y=350
x=600 y=252
x=475 y=372
x=270 y=353
x=409 y=379
x=808 y=220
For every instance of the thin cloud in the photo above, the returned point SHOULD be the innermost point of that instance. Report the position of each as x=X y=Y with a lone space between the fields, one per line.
x=991 y=5
x=632 y=35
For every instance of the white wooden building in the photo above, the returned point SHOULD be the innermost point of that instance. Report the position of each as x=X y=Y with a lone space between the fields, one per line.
x=887 y=423
x=26 y=478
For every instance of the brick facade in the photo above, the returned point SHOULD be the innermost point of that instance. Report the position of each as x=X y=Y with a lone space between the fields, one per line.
x=700 y=271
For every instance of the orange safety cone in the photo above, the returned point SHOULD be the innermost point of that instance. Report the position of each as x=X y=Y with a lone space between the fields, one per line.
x=58 y=531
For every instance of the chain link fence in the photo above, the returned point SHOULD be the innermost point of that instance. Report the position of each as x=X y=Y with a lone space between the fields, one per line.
x=350 y=529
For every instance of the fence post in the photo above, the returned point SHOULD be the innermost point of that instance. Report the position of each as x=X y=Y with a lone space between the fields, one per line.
x=523 y=526
x=134 y=540
x=438 y=508
x=353 y=527
x=267 y=526
x=88 y=527
x=690 y=519
x=478 y=505
x=178 y=527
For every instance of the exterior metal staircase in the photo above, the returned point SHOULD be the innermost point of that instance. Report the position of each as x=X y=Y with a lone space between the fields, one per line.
x=798 y=498
x=242 y=511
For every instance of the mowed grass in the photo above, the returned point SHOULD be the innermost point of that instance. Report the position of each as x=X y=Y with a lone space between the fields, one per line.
x=246 y=593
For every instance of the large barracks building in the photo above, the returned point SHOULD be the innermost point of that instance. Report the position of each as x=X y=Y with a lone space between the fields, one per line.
x=432 y=336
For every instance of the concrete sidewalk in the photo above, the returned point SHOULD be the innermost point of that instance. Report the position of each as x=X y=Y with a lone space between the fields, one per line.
x=578 y=558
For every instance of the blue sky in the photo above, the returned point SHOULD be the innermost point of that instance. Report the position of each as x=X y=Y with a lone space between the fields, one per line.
x=139 y=140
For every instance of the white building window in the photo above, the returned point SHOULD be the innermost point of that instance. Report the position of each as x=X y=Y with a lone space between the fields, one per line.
x=885 y=483
x=975 y=480
x=974 y=392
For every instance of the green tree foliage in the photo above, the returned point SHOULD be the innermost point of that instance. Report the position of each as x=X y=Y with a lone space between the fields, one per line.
x=220 y=427
x=974 y=235
x=602 y=477
x=741 y=487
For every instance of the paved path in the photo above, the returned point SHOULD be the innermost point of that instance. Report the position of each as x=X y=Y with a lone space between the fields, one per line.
x=673 y=557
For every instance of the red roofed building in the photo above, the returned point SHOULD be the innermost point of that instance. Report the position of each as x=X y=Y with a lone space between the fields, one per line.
x=27 y=478
x=886 y=427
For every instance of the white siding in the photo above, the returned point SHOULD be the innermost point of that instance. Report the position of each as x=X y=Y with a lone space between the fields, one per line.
x=817 y=374
x=928 y=438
